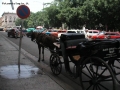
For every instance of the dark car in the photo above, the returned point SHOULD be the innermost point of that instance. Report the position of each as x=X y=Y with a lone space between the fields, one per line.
x=1 y=29
x=28 y=34
x=6 y=29
x=13 y=32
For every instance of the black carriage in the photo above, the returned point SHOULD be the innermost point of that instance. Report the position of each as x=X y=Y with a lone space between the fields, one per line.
x=94 y=61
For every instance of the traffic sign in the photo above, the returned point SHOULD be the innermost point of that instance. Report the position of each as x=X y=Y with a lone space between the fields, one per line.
x=23 y=11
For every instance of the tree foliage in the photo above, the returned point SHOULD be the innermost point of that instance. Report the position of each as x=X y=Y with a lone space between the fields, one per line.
x=94 y=14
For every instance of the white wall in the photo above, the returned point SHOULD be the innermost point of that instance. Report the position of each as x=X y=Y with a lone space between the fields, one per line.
x=9 y=19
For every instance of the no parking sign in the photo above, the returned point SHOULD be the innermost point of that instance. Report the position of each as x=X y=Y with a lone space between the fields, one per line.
x=23 y=11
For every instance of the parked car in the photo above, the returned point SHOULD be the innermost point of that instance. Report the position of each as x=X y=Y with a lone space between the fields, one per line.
x=73 y=31
x=13 y=33
x=58 y=33
x=76 y=31
x=39 y=30
x=6 y=29
x=24 y=32
x=99 y=36
x=90 y=33
x=107 y=35
x=29 y=31
x=39 y=27
x=1 y=29
x=112 y=35
x=49 y=31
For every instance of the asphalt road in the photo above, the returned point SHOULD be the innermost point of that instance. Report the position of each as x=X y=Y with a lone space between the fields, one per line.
x=32 y=48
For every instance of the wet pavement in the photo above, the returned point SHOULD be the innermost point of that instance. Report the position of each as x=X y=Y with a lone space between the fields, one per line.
x=23 y=76
x=13 y=72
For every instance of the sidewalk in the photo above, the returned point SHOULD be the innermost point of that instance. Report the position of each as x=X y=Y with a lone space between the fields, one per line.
x=26 y=77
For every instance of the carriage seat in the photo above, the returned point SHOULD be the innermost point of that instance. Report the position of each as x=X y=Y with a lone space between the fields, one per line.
x=71 y=40
x=71 y=36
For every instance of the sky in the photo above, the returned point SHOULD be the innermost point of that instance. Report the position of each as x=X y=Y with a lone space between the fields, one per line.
x=34 y=5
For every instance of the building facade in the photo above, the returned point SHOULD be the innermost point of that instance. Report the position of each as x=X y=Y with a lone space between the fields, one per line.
x=1 y=21
x=8 y=20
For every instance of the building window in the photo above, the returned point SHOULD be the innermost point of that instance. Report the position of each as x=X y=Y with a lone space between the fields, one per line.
x=10 y=19
x=14 y=19
x=5 y=18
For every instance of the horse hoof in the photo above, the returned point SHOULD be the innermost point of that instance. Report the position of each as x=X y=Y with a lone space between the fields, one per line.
x=43 y=60
x=38 y=60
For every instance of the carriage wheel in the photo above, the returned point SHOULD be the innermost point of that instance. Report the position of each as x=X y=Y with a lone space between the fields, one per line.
x=55 y=64
x=115 y=66
x=95 y=74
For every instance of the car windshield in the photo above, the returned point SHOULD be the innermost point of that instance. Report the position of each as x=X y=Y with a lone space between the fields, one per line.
x=101 y=33
x=90 y=31
x=38 y=30
x=95 y=32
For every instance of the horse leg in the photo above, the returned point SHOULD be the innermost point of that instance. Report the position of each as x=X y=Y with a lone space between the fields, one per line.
x=43 y=53
x=39 y=47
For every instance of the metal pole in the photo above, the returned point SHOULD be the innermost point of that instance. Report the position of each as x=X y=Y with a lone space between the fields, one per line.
x=43 y=5
x=20 y=46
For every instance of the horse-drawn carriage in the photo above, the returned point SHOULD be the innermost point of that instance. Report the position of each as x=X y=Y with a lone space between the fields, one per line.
x=96 y=62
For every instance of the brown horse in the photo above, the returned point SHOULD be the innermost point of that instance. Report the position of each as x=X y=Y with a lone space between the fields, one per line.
x=43 y=41
x=34 y=38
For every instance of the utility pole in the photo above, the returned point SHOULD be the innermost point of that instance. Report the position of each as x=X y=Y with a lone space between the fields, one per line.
x=45 y=4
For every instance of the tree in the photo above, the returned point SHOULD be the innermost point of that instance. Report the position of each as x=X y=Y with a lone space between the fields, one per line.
x=94 y=14
x=51 y=15
x=18 y=22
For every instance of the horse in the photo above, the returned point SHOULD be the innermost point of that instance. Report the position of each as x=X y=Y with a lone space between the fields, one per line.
x=44 y=41
x=33 y=38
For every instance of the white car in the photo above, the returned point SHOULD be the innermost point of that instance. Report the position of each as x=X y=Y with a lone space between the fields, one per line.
x=82 y=31
x=76 y=31
x=72 y=31
x=90 y=33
